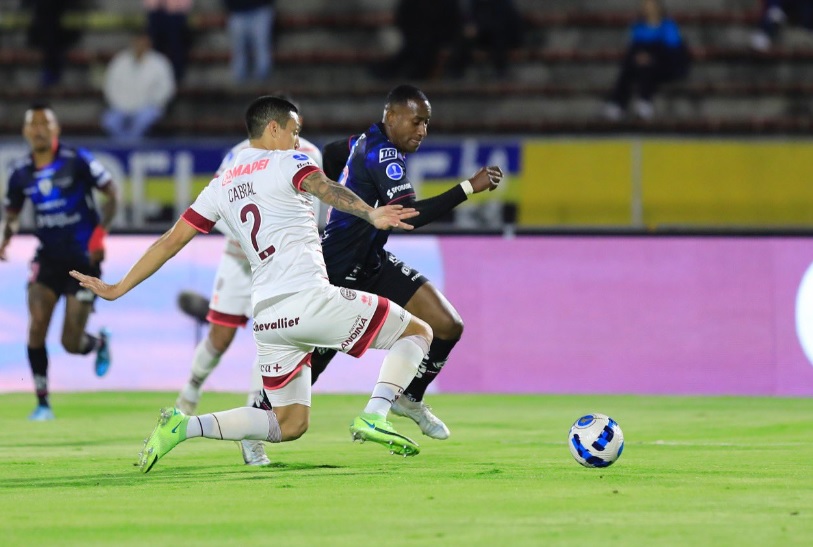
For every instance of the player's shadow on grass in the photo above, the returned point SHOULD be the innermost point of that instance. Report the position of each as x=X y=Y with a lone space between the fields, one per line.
x=134 y=476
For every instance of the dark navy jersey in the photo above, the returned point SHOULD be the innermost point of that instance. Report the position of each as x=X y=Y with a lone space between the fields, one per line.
x=62 y=196
x=376 y=172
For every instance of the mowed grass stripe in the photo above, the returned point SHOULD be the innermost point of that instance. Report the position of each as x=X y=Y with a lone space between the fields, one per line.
x=695 y=471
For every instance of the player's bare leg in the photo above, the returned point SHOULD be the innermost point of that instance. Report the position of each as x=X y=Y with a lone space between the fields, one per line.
x=41 y=303
x=76 y=340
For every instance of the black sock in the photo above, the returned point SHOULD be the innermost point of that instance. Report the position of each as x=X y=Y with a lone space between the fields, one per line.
x=319 y=361
x=429 y=368
x=89 y=343
x=38 y=361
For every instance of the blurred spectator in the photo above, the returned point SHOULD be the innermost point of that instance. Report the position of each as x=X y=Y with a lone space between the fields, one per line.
x=167 y=24
x=426 y=26
x=774 y=15
x=655 y=55
x=137 y=86
x=250 y=25
x=47 y=33
x=493 y=25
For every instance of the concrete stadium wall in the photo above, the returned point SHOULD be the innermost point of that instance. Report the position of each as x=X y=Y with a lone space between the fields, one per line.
x=563 y=314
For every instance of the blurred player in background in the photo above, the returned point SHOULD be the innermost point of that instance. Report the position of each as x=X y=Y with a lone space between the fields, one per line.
x=228 y=309
x=59 y=181
x=354 y=251
x=266 y=201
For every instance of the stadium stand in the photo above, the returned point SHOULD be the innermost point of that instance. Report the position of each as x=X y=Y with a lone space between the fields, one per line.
x=557 y=83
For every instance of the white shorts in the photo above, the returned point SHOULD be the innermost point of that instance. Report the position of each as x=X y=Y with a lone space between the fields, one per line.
x=230 y=304
x=287 y=331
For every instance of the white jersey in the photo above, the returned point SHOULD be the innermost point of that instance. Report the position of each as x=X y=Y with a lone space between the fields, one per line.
x=261 y=201
x=305 y=146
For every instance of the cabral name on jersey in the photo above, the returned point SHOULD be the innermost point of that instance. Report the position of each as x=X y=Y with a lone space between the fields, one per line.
x=240 y=191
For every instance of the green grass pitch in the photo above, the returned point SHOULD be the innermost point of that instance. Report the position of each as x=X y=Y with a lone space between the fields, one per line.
x=695 y=471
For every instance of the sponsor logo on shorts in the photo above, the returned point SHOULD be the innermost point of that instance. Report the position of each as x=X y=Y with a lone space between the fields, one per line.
x=355 y=332
x=271 y=369
x=281 y=323
x=367 y=299
x=386 y=154
x=349 y=294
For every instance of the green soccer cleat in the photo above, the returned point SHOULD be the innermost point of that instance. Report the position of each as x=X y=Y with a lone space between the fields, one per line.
x=170 y=431
x=372 y=427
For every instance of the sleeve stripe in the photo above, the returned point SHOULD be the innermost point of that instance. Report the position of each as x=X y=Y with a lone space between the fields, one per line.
x=302 y=173
x=399 y=198
x=197 y=221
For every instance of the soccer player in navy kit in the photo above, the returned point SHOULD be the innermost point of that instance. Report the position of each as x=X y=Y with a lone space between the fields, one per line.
x=59 y=181
x=355 y=254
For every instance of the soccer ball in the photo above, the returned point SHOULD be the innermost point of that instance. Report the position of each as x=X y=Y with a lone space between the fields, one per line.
x=596 y=440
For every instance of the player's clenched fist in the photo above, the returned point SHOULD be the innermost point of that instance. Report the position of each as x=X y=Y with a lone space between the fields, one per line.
x=487 y=178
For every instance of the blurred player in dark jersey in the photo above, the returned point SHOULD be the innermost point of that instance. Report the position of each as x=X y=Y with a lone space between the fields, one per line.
x=355 y=254
x=59 y=181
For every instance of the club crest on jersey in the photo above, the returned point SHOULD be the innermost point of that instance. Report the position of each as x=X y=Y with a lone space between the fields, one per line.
x=45 y=186
x=395 y=171
x=301 y=157
x=349 y=294
x=386 y=154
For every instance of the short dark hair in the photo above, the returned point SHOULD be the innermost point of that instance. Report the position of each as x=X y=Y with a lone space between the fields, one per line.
x=405 y=93
x=263 y=110
x=40 y=105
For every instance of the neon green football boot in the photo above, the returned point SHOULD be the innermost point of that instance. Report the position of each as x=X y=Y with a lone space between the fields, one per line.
x=170 y=431
x=375 y=428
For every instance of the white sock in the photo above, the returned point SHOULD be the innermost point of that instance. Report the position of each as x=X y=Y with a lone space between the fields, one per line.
x=255 y=395
x=236 y=425
x=397 y=371
x=204 y=362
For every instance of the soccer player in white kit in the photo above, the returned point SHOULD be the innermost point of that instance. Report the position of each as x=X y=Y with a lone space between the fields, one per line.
x=266 y=201
x=229 y=309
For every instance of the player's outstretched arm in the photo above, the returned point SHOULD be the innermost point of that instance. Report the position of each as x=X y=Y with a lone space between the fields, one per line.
x=9 y=227
x=343 y=199
x=150 y=262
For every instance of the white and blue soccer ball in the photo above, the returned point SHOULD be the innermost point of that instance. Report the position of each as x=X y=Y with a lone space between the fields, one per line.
x=596 y=440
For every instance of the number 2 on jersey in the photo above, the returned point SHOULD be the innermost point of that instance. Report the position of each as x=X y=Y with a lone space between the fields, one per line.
x=254 y=211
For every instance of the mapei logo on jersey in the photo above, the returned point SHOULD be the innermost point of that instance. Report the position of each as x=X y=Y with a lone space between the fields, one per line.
x=395 y=171
x=395 y=189
x=301 y=157
x=243 y=169
x=386 y=154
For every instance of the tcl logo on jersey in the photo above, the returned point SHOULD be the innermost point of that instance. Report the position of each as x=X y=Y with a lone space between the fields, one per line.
x=395 y=171
x=395 y=189
x=386 y=154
